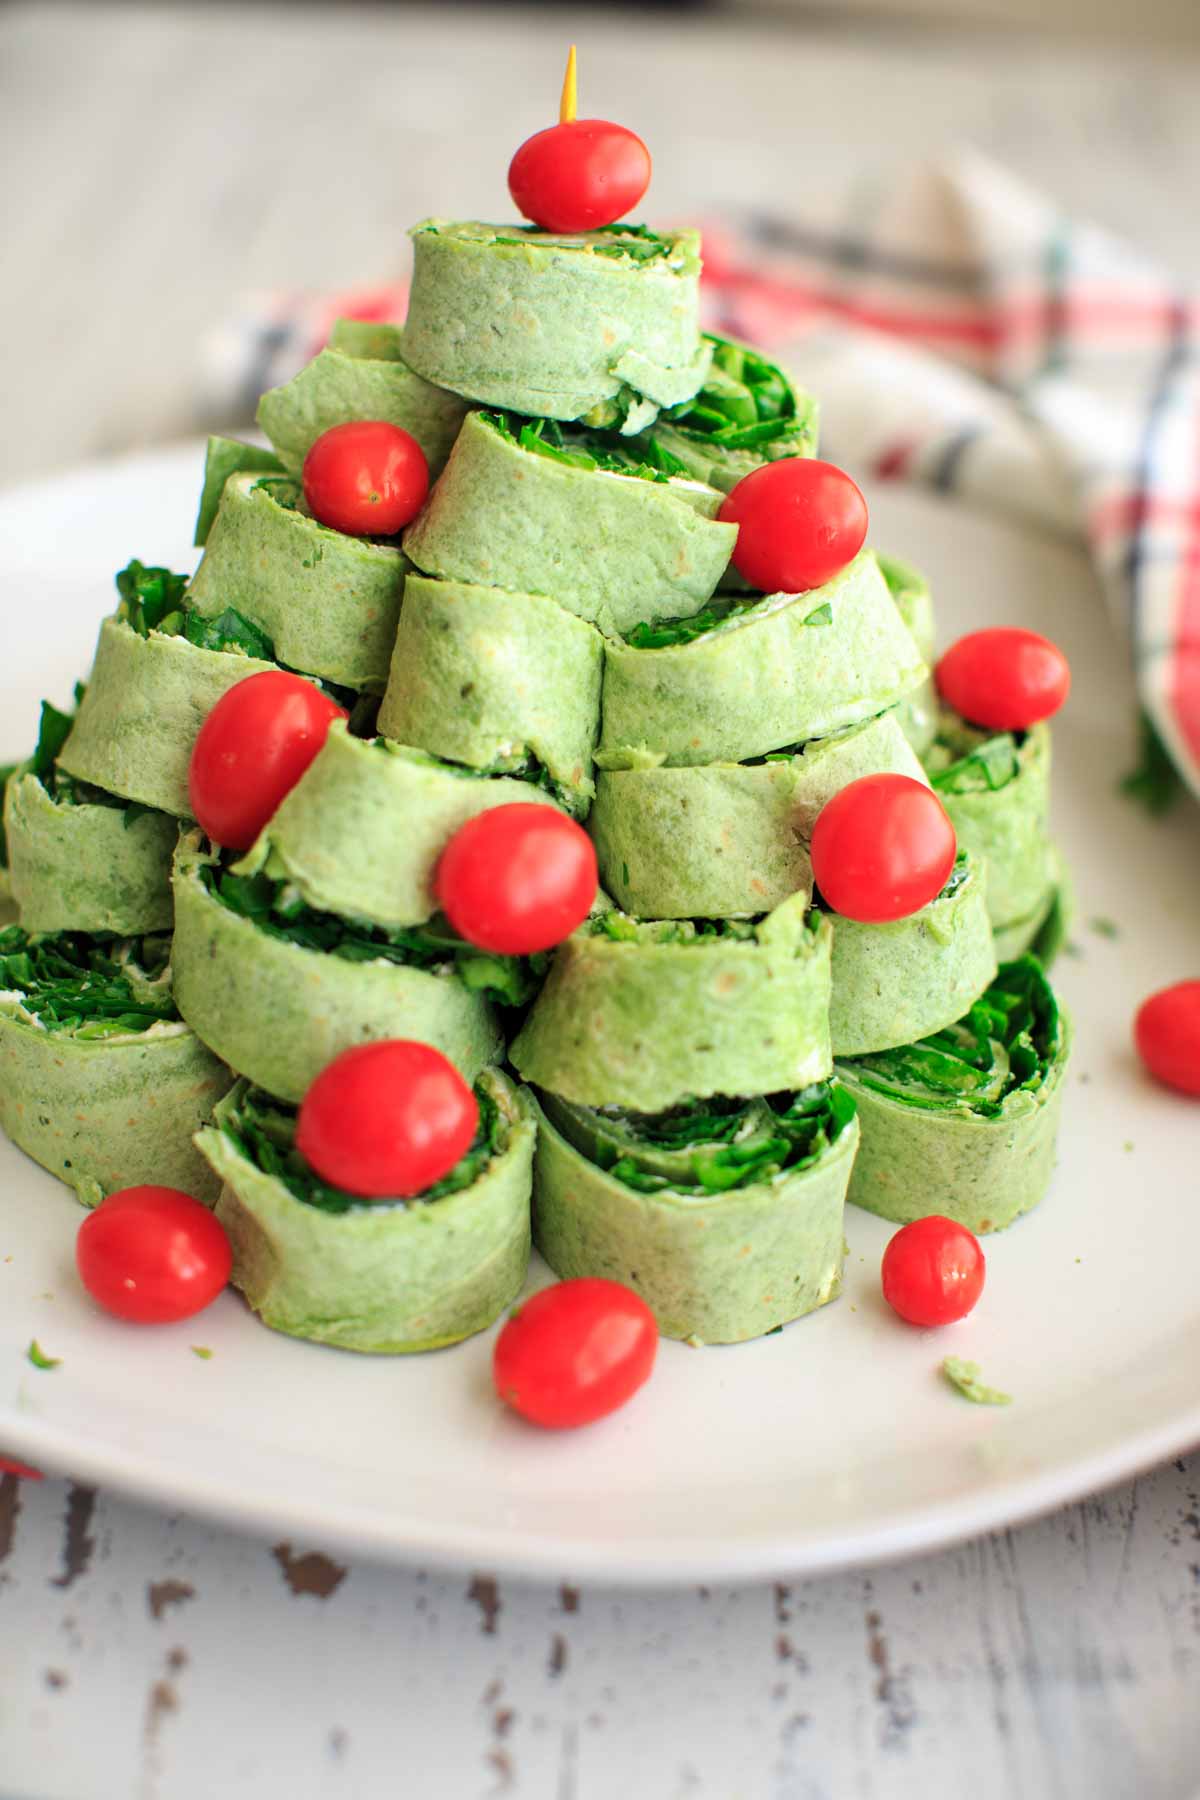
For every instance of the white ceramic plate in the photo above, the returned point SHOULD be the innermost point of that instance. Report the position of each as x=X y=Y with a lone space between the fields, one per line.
x=833 y=1441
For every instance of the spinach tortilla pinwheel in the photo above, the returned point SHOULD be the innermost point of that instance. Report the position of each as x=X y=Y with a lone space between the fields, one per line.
x=492 y=679
x=601 y=326
x=329 y=603
x=746 y=677
x=747 y=413
x=100 y=1080
x=278 y=988
x=647 y=1014
x=1043 y=932
x=384 y=1276
x=224 y=457
x=361 y=374
x=914 y=602
x=361 y=832
x=724 y=1215
x=158 y=672
x=525 y=506
x=964 y=1122
x=80 y=859
x=901 y=980
x=728 y=840
x=996 y=788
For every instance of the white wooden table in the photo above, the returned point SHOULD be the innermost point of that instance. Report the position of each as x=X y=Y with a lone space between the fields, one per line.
x=158 y=162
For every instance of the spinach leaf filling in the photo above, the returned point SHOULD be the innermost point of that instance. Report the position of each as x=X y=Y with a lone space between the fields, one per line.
x=264 y=1130
x=707 y=1146
x=276 y=908
x=54 y=728
x=667 y=634
x=579 y=448
x=1006 y=1043
x=745 y=402
x=86 y=987
x=965 y=760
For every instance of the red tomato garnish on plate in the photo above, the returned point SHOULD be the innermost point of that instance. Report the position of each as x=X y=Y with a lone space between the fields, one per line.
x=152 y=1255
x=1005 y=679
x=574 y=1352
x=366 y=478
x=580 y=175
x=882 y=848
x=1167 y=1034
x=252 y=750
x=517 y=878
x=799 y=521
x=387 y=1120
x=933 y=1271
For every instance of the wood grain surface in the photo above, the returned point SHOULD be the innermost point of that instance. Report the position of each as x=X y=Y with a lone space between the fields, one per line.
x=159 y=162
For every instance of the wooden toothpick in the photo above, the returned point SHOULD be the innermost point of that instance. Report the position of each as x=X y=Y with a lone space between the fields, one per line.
x=568 y=106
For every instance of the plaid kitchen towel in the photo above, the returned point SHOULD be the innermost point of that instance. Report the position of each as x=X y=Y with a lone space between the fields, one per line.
x=964 y=333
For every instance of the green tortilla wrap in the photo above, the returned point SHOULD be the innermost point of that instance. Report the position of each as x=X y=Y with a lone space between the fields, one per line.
x=996 y=789
x=81 y=861
x=388 y=1276
x=729 y=840
x=899 y=981
x=342 y=383
x=222 y=458
x=647 y=1015
x=725 y=1217
x=146 y=699
x=746 y=677
x=277 y=1011
x=492 y=679
x=964 y=1123
x=601 y=326
x=100 y=1081
x=361 y=832
x=747 y=413
x=1043 y=932
x=914 y=602
x=611 y=547
x=328 y=602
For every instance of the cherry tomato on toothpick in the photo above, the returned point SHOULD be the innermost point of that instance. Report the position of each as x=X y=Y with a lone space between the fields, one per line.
x=517 y=878
x=799 y=521
x=252 y=750
x=933 y=1271
x=1005 y=679
x=580 y=174
x=387 y=1120
x=367 y=478
x=152 y=1255
x=882 y=848
x=1167 y=1034
x=574 y=1352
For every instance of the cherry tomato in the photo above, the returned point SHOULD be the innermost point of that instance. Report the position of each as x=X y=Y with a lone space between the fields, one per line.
x=367 y=478
x=1167 y=1034
x=580 y=175
x=23 y=1471
x=387 y=1120
x=517 y=878
x=882 y=848
x=1005 y=679
x=252 y=750
x=933 y=1271
x=574 y=1352
x=152 y=1254
x=799 y=521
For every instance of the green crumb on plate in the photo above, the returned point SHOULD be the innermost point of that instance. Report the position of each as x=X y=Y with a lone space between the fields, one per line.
x=1128 y=1144
x=964 y=1376
x=37 y=1356
x=1105 y=928
x=202 y=1351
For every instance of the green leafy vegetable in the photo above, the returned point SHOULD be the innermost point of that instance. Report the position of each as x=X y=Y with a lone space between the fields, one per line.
x=1155 y=783
x=37 y=1356
x=151 y=598
x=276 y=908
x=578 y=448
x=229 y=631
x=622 y=928
x=1006 y=1043
x=264 y=1130
x=86 y=987
x=202 y=1351
x=745 y=402
x=707 y=1146
x=964 y=1376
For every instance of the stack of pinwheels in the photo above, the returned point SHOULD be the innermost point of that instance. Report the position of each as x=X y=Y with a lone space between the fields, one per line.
x=537 y=807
